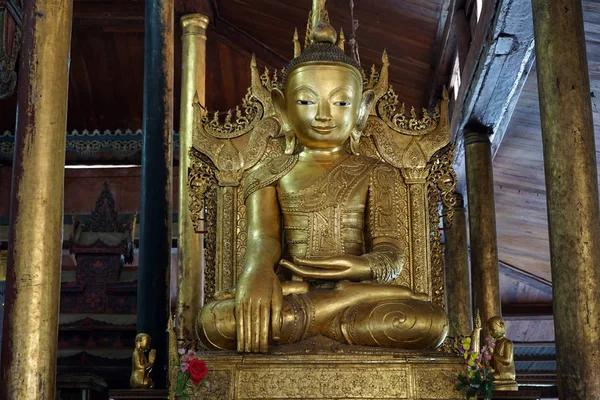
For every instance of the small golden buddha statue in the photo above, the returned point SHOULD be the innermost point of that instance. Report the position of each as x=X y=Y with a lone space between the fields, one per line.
x=502 y=361
x=323 y=232
x=140 y=364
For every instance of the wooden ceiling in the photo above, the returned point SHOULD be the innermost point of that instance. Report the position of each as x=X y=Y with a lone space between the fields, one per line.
x=106 y=75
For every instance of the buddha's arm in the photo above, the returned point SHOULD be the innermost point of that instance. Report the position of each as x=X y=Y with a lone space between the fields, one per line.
x=264 y=230
x=385 y=259
x=259 y=296
x=139 y=360
x=506 y=356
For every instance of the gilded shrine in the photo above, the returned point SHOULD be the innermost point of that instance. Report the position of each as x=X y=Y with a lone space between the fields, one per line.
x=322 y=176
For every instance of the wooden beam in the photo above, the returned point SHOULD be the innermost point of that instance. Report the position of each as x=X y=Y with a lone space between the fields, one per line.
x=103 y=13
x=193 y=6
x=528 y=278
x=498 y=63
x=527 y=311
x=441 y=50
x=537 y=358
x=534 y=344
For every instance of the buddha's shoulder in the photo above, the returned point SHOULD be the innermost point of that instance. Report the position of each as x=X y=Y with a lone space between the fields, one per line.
x=268 y=172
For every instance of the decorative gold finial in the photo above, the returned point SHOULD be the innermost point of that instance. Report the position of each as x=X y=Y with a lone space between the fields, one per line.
x=341 y=39
x=297 y=49
x=321 y=30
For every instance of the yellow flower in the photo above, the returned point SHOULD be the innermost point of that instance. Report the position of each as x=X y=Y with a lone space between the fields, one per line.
x=466 y=343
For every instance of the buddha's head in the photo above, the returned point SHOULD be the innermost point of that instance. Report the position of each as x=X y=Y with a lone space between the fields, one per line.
x=496 y=327
x=322 y=103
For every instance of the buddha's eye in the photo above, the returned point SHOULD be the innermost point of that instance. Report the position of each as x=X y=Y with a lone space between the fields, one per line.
x=342 y=103
x=305 y=102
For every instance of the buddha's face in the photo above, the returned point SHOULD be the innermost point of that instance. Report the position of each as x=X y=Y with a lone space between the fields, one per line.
x=322 y=104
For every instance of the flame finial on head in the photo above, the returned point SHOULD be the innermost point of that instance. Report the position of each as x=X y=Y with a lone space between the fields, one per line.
x=321 y=45
x=321 y=30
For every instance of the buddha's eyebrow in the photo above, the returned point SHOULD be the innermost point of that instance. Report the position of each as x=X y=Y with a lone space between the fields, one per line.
x=306 y=88
x=343 y=89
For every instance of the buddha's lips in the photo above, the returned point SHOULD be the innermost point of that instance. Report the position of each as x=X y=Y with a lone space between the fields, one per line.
x=324 y=129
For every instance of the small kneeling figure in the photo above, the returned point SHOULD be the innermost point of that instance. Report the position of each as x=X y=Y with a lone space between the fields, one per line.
x=502 y=361
x=140 y=365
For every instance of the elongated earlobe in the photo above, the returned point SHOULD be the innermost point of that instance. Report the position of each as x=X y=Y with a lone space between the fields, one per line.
x=278 y=99
x=361 y=122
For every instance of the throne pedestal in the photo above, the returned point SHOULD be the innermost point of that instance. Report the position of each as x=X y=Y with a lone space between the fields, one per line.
x=344 y=373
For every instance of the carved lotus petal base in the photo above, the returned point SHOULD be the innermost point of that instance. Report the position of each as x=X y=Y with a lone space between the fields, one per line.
x=359 y=375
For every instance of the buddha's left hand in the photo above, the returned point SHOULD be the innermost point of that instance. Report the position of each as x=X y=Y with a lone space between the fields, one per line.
x=338 y=268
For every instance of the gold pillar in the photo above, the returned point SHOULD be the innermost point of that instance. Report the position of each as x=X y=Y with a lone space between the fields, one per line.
x=190 y=252
x=572 y=193
x=458 y=278
x=36 y=219
x=482 y=222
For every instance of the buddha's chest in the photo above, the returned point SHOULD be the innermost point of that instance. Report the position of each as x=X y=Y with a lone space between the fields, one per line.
x=323 y=214
x=312 y=188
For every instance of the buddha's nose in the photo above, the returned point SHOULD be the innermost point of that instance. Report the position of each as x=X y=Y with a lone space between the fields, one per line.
x=323 y=112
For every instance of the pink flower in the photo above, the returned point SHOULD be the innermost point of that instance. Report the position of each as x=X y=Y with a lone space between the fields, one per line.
x=185 y=358
x=184 y=366
x=181 y=351
x=191 y=354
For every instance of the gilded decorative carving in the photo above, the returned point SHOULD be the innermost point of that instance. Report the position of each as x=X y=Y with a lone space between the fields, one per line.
x=226 y=236
x=350 y=381
x=359 y=374
x=429 y=387
x=202 y=189
x=241 y=234
x=219 y=385
x=11 y=35
x=420 y=231
x=441 y=183
x=201 y=178
x=89 y=143
x=210 y=243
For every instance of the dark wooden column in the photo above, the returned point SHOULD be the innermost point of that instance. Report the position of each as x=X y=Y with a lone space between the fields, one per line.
x=572 y=193
x=30 y=330
x=156 y=205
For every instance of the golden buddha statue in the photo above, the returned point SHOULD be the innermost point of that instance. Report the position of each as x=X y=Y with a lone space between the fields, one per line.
x=140 y=364
x=502 y=361
x=323 y=231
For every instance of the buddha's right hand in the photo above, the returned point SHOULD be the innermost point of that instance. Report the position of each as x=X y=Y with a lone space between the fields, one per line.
x=258 y=302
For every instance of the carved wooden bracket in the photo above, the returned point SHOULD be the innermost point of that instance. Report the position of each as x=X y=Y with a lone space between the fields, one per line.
x=11 y=29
